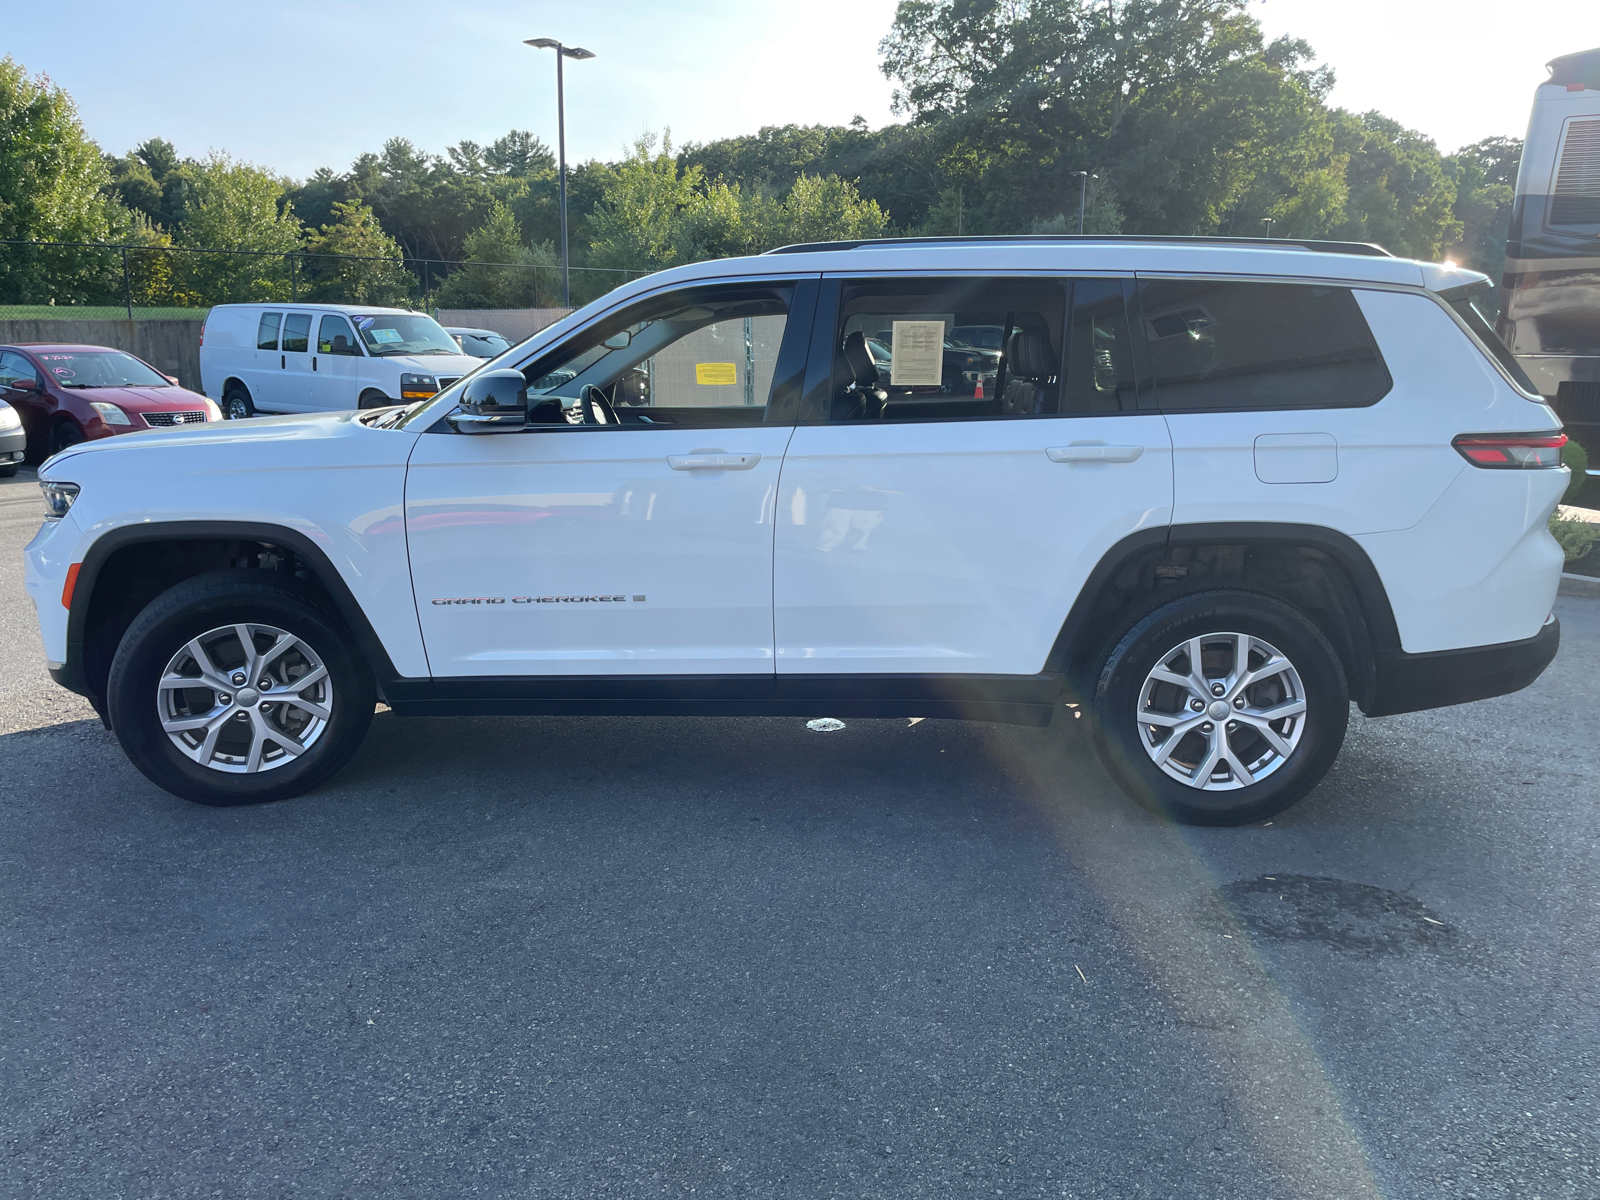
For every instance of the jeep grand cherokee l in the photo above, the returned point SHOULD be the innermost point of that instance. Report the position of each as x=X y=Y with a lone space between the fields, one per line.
x=1219 y=490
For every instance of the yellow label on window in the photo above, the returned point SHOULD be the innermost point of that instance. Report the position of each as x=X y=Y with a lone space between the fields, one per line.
x=716 y=374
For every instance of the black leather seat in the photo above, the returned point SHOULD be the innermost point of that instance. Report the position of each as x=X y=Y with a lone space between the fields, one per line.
x=1033 y=368
x=864 y=398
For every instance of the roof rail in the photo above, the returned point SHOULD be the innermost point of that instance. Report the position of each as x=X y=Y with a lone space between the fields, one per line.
x=1316 y=245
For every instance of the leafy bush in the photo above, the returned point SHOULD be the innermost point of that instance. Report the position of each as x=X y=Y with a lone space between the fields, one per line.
x=1575 y=536
x=1575 y=459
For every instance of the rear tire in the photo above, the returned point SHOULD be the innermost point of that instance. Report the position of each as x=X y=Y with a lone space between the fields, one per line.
x=237 y=405
x=1233 y=746
x=290 y=716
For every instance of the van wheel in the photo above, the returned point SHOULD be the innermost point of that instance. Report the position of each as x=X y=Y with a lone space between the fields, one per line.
x=373 y=399
x=233 y=689
x=1220 y=708
x=237 y=405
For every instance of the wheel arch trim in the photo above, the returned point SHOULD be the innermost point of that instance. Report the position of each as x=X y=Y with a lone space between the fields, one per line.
x=316 y=560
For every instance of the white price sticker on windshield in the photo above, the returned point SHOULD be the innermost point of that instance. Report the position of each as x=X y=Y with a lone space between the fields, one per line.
x=918 y=354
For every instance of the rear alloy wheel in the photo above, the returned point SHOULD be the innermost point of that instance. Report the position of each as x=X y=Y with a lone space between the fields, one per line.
x=237 y=405
x=1220 y=708
x=233 y=688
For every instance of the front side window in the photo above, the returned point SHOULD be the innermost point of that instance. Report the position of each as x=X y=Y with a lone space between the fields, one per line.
x=706 y=357
x=947 y=349
x=334 y=337
x=297 y=333
x=16 y=371
x=267 y=331
x=1229 y=344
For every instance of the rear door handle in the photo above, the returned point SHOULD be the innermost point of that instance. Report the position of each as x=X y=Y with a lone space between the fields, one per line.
x=1093 y=453
x=712 y=462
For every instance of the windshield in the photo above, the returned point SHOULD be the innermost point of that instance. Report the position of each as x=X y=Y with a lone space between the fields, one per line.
x=100 y=369
x=480 y=344
x=389 y=334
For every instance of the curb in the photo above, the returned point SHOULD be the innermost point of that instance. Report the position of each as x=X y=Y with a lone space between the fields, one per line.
x=1587 y=586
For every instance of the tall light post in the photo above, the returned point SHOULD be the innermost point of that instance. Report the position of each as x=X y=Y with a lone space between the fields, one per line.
x=1266 y=225
x=1083 y=196
x=561 y=141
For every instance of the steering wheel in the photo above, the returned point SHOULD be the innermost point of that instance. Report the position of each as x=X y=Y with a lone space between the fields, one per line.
x=596 y=408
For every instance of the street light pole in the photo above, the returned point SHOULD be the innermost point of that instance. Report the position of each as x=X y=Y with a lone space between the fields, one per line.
x=1266 y=225
x=1083 y=196
x=562 y=52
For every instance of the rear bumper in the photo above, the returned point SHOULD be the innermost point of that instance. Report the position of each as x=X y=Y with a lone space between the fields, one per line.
x=1412 y=682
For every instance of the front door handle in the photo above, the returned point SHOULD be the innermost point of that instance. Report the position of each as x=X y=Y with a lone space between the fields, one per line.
x=1093 y=452
x=712 y=462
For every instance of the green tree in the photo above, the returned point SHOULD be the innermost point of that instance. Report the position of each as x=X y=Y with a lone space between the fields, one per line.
x=51 y=188
x=352 y=277
x=501 y=272
x=238 y=207
x=1485 y=176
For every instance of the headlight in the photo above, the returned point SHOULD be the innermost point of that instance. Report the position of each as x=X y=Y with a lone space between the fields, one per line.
x=110 y=413
x=58 y=497
x=417 y=387
x=213 y=411
x=9 y=419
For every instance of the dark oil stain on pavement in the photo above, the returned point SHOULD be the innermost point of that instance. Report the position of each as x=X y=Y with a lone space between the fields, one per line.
x=1350 y=917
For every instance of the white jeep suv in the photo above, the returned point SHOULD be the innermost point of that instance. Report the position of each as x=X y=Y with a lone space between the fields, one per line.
x=1213 y=491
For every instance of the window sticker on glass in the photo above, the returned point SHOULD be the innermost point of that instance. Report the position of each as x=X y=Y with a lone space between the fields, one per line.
x=716 y=374
x=918 y=353
x=364 y=322
x=384 y=335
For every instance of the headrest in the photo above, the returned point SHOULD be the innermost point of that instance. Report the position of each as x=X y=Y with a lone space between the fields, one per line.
x=863 y=370
x=1031 y=355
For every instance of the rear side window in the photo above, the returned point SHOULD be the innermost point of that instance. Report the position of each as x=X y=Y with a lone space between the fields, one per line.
x=297 y=333
x=267 y=331
x=1217 y=345
x=1099 y=362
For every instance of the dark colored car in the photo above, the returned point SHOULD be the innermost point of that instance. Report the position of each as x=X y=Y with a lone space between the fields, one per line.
x=66 y=394
x=480 y=343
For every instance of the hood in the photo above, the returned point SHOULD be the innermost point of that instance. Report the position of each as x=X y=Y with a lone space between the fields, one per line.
x=436 y=364
x=221 y=439
x=144 y=399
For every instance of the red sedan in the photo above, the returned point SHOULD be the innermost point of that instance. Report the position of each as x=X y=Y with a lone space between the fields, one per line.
x=69 y=394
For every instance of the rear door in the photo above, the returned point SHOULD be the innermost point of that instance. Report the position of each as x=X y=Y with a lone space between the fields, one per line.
x=948 y=529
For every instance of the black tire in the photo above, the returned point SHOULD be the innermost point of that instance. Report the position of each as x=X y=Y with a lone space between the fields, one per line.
x=191 y=609
x=374 y=399
x=1123 y=742
x=8 y=471
x=237 y=404
x=65 y=433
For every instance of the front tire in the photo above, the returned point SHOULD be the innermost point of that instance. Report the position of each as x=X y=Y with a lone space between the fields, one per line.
x=64 y=434
x=278 y=701
x=373 y=399
x=1236 y=737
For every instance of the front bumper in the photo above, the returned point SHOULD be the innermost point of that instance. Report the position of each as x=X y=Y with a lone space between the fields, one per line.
x=1413 y=682
x=12 y=445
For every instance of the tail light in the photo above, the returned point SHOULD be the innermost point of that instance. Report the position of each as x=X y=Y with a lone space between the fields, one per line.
x=202 y=333
x=1513 y=450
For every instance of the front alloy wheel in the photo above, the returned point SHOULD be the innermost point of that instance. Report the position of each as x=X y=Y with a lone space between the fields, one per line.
x=245 y=698
x=237 y=687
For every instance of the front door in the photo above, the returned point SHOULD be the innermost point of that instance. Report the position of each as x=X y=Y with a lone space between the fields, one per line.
x=941 y=522
x=338 y=362
x=627 y=530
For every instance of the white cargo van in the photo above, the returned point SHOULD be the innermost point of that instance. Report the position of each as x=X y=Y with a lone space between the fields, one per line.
x=290 y=358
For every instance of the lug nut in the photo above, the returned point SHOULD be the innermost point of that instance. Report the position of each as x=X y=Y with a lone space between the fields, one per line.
x=1197 y=705
x=1217 y=689
x=238 y=678
x=1238 y=701
x=266 y=684
x=224 y=698
x=241 y=715
x=1207 y=727
x=1233 y=724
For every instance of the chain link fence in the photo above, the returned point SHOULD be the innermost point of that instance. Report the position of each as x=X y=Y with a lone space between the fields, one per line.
x=109 y=280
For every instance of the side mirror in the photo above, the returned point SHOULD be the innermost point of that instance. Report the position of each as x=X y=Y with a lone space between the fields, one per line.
x=492 y=402
x=618 y=341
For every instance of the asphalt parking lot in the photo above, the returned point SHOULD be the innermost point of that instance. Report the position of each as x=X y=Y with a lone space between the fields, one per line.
x=636 y=957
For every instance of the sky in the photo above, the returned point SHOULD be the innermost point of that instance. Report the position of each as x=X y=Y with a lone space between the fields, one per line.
x=304 y=83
